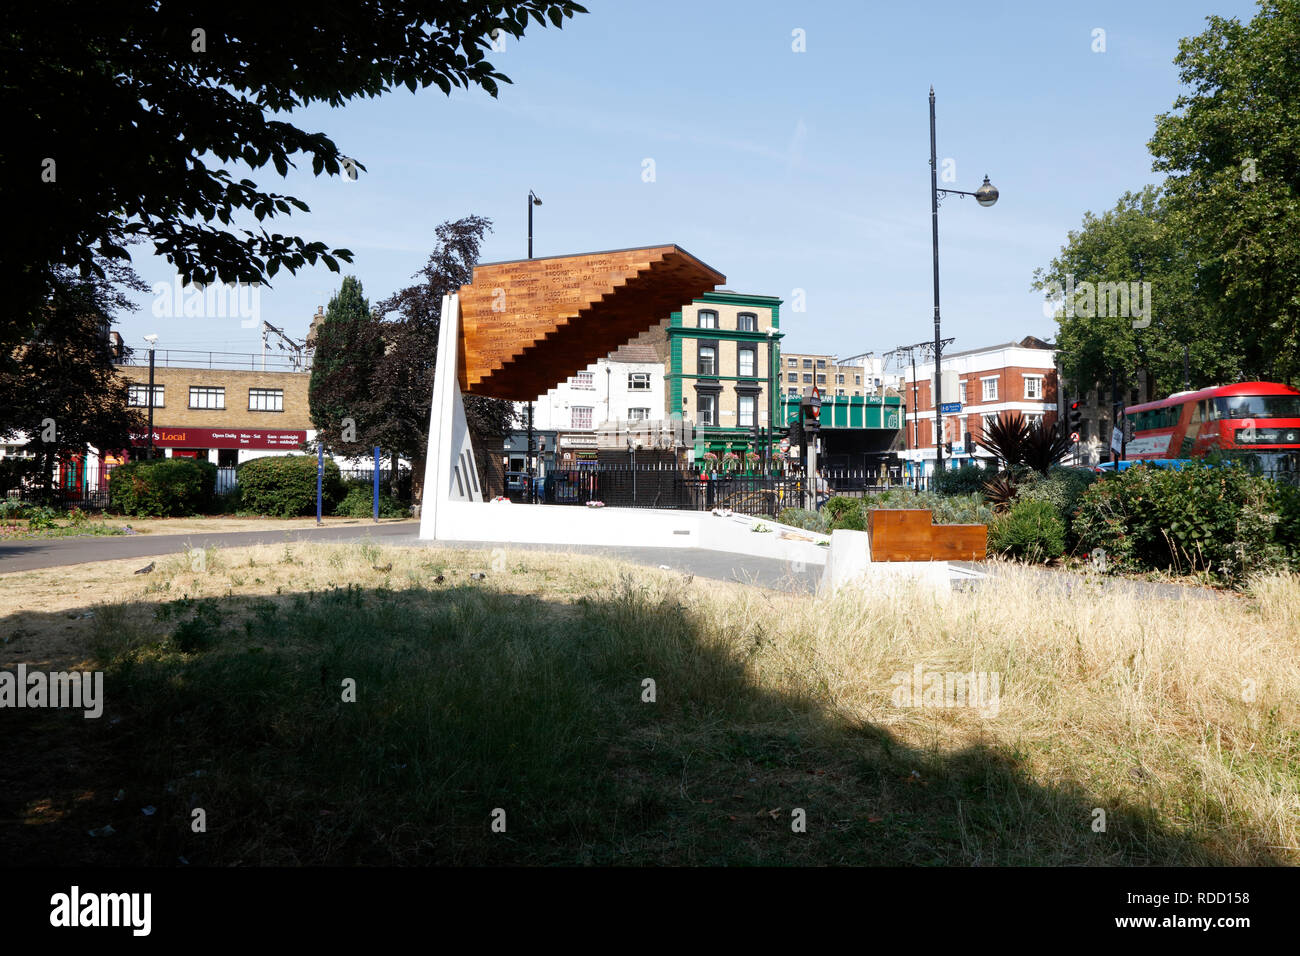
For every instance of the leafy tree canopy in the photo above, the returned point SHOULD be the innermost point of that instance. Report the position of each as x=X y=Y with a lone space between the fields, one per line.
x=348 y=347
x=1232 y=150
x=126 y=119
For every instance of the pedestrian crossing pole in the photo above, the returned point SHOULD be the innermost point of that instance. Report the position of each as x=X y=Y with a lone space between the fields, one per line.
x=376 y=493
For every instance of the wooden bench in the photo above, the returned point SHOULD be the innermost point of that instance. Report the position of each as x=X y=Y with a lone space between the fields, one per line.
x=912 y=535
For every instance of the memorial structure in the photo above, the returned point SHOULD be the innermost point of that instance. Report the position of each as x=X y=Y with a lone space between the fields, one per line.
x=521 y=326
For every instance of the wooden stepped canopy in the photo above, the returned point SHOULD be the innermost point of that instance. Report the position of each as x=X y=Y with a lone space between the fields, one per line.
x=529 y=324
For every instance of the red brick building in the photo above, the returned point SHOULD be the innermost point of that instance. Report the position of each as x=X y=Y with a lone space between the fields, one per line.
x=985 y=382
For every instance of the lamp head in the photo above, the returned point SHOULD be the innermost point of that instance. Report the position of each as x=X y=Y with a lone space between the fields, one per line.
x=533 y=197
x=987 y=194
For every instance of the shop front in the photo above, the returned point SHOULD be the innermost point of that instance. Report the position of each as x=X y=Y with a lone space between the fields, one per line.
x=224 y=447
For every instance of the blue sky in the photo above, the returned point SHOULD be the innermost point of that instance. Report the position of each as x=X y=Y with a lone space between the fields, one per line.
x=783 y=170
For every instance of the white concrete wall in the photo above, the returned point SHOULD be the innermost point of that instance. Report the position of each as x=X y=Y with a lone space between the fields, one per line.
x=626 y=527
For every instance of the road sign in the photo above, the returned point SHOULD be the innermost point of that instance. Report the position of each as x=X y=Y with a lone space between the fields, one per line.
x=816 y=395
x=1117 y=439
x=785 y=444
x=950 y=408
x=1074 y=436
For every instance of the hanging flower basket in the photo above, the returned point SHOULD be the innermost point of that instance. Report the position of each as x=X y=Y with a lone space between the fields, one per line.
x=753 y=456
x=730 y=461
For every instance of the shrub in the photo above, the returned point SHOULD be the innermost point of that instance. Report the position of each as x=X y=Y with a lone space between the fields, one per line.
x=1062 y=488
x=1031 y=530
x=803 y=518
x=285 y=485
x=1223 y=520
x=358 y=502
x=944 y=509
x=162 y=488
x=966 y=480
x=845 y=513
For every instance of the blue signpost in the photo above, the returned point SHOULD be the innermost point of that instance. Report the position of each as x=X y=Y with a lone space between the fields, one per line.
x=376 y=494
x=320 y=470
x=950 y=408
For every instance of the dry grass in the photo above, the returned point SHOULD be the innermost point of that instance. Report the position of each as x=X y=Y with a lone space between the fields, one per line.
x=1177 y=718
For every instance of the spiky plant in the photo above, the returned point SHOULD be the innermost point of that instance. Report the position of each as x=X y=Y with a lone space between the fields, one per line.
x=1045 y=447
x=1005 y=439
x=1000 y=492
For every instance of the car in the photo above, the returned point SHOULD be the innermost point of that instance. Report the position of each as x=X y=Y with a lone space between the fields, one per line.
x=1110 y=467
x=518 y=484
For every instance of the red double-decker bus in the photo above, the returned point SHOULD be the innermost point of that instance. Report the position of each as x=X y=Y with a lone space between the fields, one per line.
x=1259 y=420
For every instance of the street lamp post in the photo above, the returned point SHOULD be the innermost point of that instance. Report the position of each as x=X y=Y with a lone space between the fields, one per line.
x=152 y=340
x=532 y=201
x=986 y=195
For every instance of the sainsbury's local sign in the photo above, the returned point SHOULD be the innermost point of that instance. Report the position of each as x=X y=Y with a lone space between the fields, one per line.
x=287 y=440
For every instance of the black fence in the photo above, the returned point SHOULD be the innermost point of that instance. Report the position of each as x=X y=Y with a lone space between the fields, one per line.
x=669 y=487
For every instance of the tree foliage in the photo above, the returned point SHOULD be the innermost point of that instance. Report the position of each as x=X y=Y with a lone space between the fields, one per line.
x=59 y=385
x=379 y=371
x=1136 y=242
x=1219 y=240
x=1231 y=147
x=136 y=119
x=403 y=384
x=348 y=349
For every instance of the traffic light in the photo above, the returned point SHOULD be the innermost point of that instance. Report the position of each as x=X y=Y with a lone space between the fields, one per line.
x=947 y=447
x=1076 y=415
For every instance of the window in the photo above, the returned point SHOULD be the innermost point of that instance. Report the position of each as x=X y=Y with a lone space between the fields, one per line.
x=580 y=416
x=266 y=399
x=708 y=320
x=990 y=389
x=839 y=379
x=203 y=396
x=857 y=380
x=746 y=322
x=638 y=381
x=821 y=363
x=747 y=406
x=746 y=359
x=138 y=396
x=708 y=405
x=792 y=377
x=821 y=379
x=583 y=380
x=708 y=364
x=1034 y=387
x=839 y=391
x=792 y=363
x=988 y=423
x=807 y=363
x=1257 y=406
x=638 y=414
x=807 y=378
x=793 y=391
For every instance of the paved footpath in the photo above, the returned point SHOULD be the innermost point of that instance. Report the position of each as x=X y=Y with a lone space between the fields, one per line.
x=771 y=573
x=30 y=554
x=33 y=554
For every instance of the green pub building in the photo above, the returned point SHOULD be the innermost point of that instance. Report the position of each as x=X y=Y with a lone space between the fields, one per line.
x=723 y=362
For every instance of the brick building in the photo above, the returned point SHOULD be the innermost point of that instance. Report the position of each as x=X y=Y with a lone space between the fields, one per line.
x=222 y=415
x=986 y=382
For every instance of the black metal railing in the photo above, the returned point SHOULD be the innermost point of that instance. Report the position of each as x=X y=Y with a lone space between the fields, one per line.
x=674 y=488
